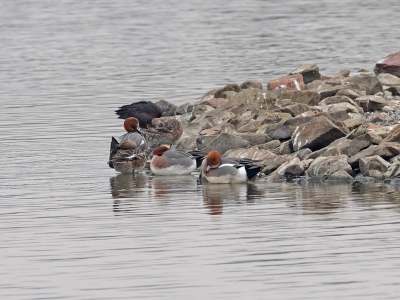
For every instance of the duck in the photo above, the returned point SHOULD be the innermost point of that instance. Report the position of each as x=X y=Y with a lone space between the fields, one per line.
x=126 y=157
x=168 y=161
x=227 y=170
x=164 y=130
x=144 y=111
x=133 y=133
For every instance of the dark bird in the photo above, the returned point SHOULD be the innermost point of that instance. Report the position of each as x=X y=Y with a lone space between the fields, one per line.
x=144 y=111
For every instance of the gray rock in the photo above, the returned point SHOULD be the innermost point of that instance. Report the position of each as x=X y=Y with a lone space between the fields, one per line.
x=373 y=166
x=324 y=167
x=388 y=79
x=187 y=142
x=251 y=84
x=270 y=145
x=184 y=108
x=370 y=103
x=394 y=168
x=285 y=148
x=303 y=153
x=224 y=142
x=252 y=126
x=340 y=176
x=310 y=72
x=329 y=90
x=283 y=132
x=255 y=138
x=341 y=107
x=348 y=93
x=362 y=142
x=372 y=83
x=294 y=109
x=168 y=108
x=294 y=167
x=274 y=163
x=229 y=87
x=394 y=135
x=386 y=150
x=304 y=96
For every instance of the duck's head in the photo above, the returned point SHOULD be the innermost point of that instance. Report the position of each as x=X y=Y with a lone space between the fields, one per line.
x=131 y=124
x=160 y=150
x=126 y=145
x=213 y=160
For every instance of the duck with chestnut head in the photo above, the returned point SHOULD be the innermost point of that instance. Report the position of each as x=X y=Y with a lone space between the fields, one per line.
x=166 y=161
x=133 y=133
x=217 y=169
x=126 y=157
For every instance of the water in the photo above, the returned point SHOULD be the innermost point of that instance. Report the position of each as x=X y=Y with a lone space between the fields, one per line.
x=72 y=228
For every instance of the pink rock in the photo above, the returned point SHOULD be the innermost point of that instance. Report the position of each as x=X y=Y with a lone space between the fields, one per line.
x=291 y=82
x=217 y=102
x=390 y=64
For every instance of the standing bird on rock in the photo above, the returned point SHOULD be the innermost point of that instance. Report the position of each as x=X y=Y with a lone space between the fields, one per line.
x=126 y=157
x=133 y=133
x=227 y=170
x=144 y=111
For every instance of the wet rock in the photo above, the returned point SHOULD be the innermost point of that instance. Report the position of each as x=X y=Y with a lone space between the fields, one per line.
x=372 y=83
x=394 y=135
x=388 y=79
x=390 y=64
x=394 y=168
x=168 y=108
x=251 y=153
x=229 y=87
x=348 y=93
x=294 y=109
x=352 y=124
x=329 y=90
x=224 y=142
x=324 y=167
x=310 y=72
x=255 y=138
x=304 y=96
x=373 y=166
x=283 y=132
x=316 y=134
x=274 y=163
x=184 y=108
x=252 y=126
x=291 y=82
x=340 y=176
x=386 y=150
x=270 y=145
x=370 y=103
x=251 y=84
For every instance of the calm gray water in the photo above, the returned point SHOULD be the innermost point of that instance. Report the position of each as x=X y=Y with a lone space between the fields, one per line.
x=72 y=228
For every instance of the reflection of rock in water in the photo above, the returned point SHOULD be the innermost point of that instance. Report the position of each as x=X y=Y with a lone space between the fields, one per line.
x=173 y=187
x=215 y=196
x=124 y=187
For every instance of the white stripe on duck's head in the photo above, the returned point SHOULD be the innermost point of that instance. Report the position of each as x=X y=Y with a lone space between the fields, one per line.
x=131 y=124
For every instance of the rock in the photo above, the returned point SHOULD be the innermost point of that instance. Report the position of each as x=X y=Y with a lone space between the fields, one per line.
x=285 y=148
x=252 y=126
x=313 y=86
x=219 y=116
x=340 y=176
x=229 y=87
x=386 y=150
x=370 y=103
x=352 y=124
x=224 y=142
x=211 y=131
x=373 y=166
x=270 y=145
x=380 y=118
x=394 y=135
x=184 y=108
x=247 y=117
x=362 y=142
x=389 y=79
x=200 y=110
x=168 y=108
x=382 y=131
x=283 y=102
x=394 y=168
x=195 y=127
x=324 y=167
x=341 y=107
x=303 y=96
x=251 y=84
x=251 y=153
x=298 y=120
x=303 y=153
x=187 y=143
x=274 y=163
x=390 y=64
x=337 y=147
x=291 y=82
x=294 y=167
x=316 y=134
x=329 y=90
x=228 y=95
x=310 y=72
x=283 y=132
x=216 y=102
x=206 y=96
x=338 y=99
x=294 y=109
x=337 y=78
x=255 y=138
x=372 y=83
x=348 y=93
x=251 y=98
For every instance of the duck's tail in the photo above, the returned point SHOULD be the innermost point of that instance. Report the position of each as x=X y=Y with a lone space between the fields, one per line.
x=114 y=147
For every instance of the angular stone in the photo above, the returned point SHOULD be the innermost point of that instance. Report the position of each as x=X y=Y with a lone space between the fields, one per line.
x=224 y=142
x=341 y=107
x=394 y=135
x=283 y=132
x=211 y=131
x=316 y=134
x=274 y=163
x=313 y=86
x=382 y=131
x=373 y=166
x=352 y=124
x=340 y=176
x=168 y=108
x=323 y=167
x=380 y=118
x=187 y=143
x=285 y=148
x=195 y=127
x=255 y=138
x=283 y=102
x=298 y=120
x=303 y=152
x=251 y=98
x=291 y=82
x=348 y=93
x=337 y=147
x=229 y=87
x=252 y=126
x=200 y=110
x=337 y=99
x=372 y=83
x=388 y=79
x=337 y=78
x=219 y=117
x=362 y=142
x=251 y=84
x=394 y=169
x=386 y=150
x=304 y=96
x=310 y=72
x=270 y=145
x=251 y=153
x=370 y=103
x=390 y=64
x=247 y=116
x=294 y=109
x=216 y=102
x=329 y=91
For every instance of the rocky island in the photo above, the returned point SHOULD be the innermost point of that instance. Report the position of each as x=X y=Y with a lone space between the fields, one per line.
x=304 y=125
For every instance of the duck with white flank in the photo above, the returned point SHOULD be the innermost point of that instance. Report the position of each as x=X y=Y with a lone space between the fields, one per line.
x=227 y=170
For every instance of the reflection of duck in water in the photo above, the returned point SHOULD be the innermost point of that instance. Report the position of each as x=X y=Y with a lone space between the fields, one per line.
x=126 y=157
x=174 y=187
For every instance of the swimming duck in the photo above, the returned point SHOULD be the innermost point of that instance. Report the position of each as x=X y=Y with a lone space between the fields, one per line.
x=144 y=111
x=166 y=161
x=133 y=133
x=164 y=130
x=126 y=157
x=227 y=170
